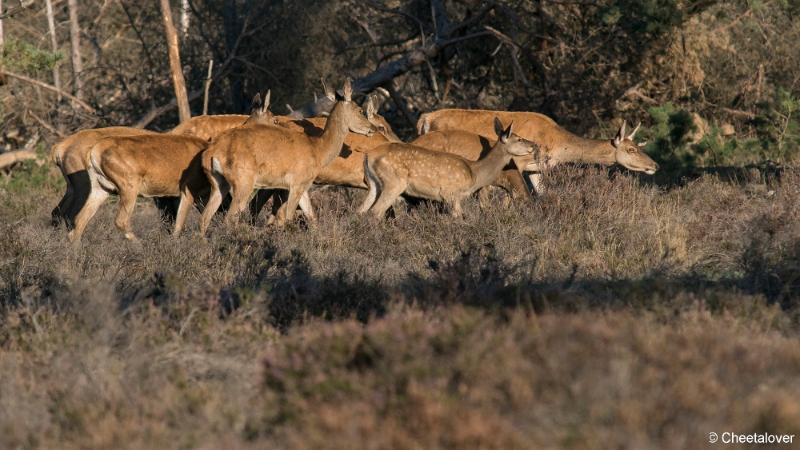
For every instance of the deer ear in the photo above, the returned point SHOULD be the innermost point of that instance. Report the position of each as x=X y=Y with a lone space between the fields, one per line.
x=267 y=98
x=498 y=127
x=620 y=135
x=327 y=90
x=369 y=107
x=347 y=90
x=509 y=130
x=255 y=105
x=633 y=133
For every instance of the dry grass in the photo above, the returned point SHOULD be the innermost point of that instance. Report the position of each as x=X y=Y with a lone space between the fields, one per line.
x=609 y=313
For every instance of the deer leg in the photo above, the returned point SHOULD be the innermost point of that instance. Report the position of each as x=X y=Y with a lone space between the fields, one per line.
x=96 y=198
x=392 y=189
x=241 y=189
x=60 y=211
x=455 y=208
x=307 y=208
x=187 y=200
x=127 y=202
x=257 y=203
x=219 y=189
x=536 y=182
x=373 y=183
x=286 y=212
x=483 y=197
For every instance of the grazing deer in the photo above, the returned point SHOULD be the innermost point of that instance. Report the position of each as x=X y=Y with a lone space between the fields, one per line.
x=558 y=145
x=395 y=169
x=275 y=157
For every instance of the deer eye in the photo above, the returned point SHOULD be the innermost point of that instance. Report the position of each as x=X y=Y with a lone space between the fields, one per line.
x=632 y=149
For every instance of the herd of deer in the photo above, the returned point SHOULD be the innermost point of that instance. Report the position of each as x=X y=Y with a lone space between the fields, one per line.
x=208 y=157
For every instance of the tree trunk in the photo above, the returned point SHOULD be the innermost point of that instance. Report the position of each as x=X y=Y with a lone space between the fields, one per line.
x=75 y=38
x=51 y=25
x=185 y=18
x=178 y=82
x=2 y=42
x=2 y=38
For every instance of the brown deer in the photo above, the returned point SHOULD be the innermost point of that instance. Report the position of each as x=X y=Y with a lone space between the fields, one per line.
x=347 y=169
x=152 y=165
x=70 y=154
x=275 y=157
x=558 y=145
x=395 y=169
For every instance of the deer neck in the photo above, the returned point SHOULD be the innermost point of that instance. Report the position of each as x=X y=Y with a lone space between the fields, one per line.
x=486 y=169
x=575 y=149
x=330 y=142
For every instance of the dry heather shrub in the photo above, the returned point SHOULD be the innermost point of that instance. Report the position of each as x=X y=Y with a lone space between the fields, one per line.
x=457 y=378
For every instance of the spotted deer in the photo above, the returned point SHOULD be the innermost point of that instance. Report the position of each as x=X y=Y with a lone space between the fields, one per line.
x=395 y=169
x=274 y=157
x=557 y=144
x=472 y=147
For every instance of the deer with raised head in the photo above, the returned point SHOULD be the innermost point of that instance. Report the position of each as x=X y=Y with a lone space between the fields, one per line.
x=395 y=169
x=278 y=158
x=209 y=127
x=347 y=169
x=557 y=144
x=151 y=165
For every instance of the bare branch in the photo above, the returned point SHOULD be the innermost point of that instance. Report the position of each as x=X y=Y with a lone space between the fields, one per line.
x=13 y=11
x=51 y=88
x=11 y=158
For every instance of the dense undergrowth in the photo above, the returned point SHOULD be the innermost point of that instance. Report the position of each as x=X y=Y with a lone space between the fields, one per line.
x=609 y=312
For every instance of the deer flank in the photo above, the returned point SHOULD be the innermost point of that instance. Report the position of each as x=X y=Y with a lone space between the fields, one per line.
x=275 y=157
x=394 y=169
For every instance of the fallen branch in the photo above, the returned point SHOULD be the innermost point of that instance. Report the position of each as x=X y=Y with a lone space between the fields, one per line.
x=10 y=158
x=51 y=88
x=739 y=113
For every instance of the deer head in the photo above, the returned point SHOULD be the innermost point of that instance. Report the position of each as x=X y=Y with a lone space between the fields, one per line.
x=353 y=115
x=512 y=144
x=371 y=106
x=629 y=154
x=259 y=111
x=321 y=106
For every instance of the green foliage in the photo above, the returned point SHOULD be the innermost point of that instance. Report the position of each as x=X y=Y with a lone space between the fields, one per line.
x=669 y=136
x=777 y=126
x=32 y=175
x=25 y=57
x=777 y=137
x=651 y=18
